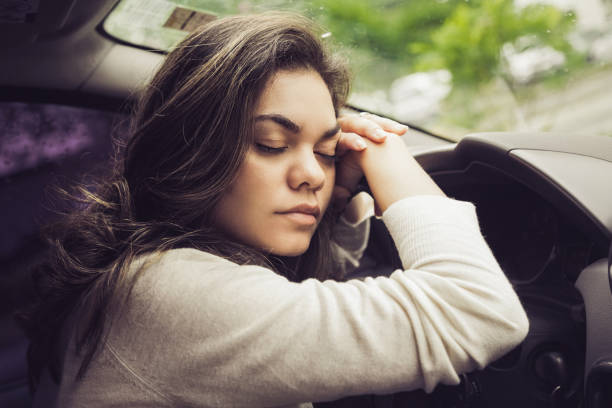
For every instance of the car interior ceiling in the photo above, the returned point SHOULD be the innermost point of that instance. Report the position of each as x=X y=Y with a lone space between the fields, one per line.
x=65 y=49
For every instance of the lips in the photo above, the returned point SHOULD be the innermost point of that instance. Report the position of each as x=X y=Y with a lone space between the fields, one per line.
x=303 y=214
x=304 y=209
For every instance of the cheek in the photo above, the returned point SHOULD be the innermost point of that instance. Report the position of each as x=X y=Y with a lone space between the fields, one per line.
x=241 y=202
x=245 y=188
x=257 y=183
x=330 y=181
x=257 y=176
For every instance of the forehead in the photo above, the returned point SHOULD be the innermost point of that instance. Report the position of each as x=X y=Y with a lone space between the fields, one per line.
x=301 y=95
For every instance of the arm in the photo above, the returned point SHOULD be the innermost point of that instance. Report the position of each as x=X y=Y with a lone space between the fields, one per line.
x=391 y=171
x=371 y=145
x=351 y=233
x=207 y=331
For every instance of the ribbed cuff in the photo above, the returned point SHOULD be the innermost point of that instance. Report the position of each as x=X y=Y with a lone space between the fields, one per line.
x=423 y=226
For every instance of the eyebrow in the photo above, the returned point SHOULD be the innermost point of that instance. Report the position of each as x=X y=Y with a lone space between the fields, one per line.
x=292 y=126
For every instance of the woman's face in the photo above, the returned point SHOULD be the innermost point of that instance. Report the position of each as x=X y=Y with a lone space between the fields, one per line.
x=285 y=183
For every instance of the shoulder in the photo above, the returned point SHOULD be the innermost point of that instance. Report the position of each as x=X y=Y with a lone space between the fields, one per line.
x=186 y=262
x=189 y=269
x=189 y=279
x=186 y=294
x=181 y=256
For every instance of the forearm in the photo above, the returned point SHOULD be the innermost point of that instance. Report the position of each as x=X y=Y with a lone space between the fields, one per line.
x=393 y=173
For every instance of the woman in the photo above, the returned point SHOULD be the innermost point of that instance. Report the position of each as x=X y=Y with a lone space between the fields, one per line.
x=185 y=279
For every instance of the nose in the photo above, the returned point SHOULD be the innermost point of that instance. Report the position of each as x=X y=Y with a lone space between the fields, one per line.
x=306 y=172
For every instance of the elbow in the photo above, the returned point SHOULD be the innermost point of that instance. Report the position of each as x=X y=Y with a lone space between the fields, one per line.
x=524 y=324
x=518 y=326
x=513 y=320
x=521 y=325
x=509 y=327
x=514 y=330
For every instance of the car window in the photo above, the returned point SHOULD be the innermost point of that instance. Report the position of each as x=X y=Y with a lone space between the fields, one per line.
x=449 y=66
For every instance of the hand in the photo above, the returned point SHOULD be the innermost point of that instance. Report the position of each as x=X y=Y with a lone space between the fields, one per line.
x=356 y=129
x=386 y=162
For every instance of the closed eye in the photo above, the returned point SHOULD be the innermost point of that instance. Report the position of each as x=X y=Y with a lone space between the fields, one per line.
x=327 y=147
x=327 y=157
x=269 y=149
x=330 y=158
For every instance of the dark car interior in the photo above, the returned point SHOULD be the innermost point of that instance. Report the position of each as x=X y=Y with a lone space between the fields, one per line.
x=546 y=240
x=543 y=200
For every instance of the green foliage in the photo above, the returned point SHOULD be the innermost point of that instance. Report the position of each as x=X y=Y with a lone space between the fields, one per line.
x=469 y=43
x=463 y=36
x=386 y=27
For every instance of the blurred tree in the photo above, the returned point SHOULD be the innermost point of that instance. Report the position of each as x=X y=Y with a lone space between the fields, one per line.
x=469 y=42
x=463 y=36
x=386 y=27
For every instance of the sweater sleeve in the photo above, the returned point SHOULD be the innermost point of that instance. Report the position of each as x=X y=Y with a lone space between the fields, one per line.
x=349 y=241
x=203 y=331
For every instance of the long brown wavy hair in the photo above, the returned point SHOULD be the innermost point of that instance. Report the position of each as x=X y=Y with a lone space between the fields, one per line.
x=188 y=137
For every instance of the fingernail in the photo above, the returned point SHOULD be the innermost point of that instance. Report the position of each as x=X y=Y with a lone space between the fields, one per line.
x=380 y=134
x=361 y=144
x=401 y=128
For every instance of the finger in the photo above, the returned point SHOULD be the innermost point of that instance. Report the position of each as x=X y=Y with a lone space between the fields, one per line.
x=340 y=196
x=387 y=124
x=362 y=126
x=350 y=141
x=341 y=193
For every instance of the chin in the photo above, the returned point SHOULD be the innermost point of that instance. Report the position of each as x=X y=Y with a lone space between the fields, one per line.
x=289 y=248
x=288 y=251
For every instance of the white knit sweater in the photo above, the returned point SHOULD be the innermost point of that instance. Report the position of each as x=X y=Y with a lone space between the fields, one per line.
x=201 y=331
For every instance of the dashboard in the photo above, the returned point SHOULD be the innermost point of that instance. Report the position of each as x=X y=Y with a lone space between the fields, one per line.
x=545 y=209
x=526 y=233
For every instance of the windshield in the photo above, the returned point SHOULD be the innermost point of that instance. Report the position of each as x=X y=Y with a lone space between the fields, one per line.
x=452 y=67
